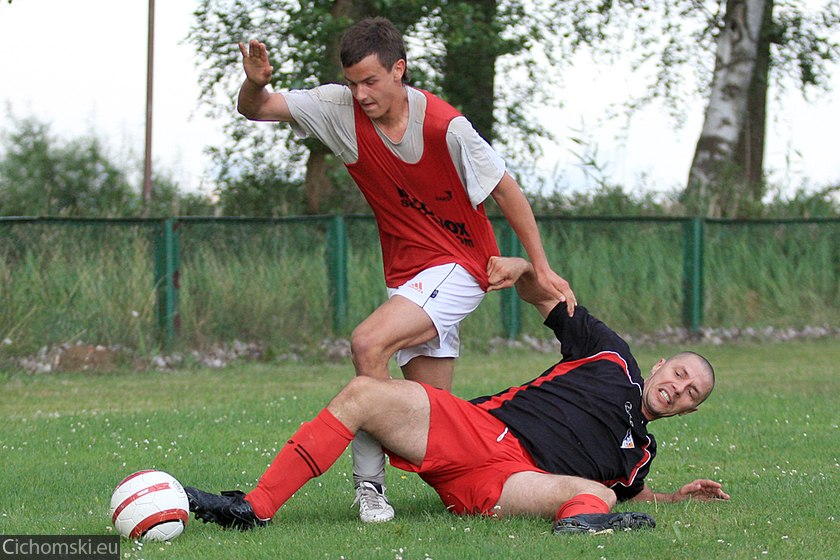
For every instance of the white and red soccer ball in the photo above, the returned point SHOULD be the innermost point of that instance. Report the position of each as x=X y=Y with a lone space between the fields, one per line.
x=151 y=505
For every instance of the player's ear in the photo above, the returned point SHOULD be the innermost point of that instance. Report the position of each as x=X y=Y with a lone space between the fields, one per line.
x=398 y=69
x=657 y=365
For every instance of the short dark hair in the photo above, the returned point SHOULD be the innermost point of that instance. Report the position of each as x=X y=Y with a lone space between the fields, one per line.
x=373 y=36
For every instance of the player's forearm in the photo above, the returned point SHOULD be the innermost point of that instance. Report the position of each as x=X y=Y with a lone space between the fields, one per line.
x=530 y=291
x=648 y=495
x=702 y=490
x=519 y=215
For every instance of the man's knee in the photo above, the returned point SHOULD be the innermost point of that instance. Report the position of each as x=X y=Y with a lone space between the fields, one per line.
x=367 y=350
x=604 y=493
x=356 y=397
x=358 y=389
x=586 y=486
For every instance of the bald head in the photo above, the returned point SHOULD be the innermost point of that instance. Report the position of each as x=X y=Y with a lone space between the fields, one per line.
x=677 y=385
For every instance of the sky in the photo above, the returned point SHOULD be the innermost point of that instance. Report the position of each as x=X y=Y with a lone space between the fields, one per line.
x=80 y=66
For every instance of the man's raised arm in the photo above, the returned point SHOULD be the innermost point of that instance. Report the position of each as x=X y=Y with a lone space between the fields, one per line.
x=255 y=102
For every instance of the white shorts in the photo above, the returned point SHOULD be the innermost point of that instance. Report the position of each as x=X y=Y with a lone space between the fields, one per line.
x=447 y=293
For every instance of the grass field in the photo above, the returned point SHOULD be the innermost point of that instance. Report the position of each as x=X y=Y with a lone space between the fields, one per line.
x=769 y=434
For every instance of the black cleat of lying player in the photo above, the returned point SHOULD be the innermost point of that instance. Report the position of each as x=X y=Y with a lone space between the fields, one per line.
x=603 y=522
x=230 y=510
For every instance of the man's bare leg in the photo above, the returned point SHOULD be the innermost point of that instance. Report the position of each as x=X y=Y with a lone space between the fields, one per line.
x=541 y=494
x=317 y=444
x=575 y=504
x=396 y=324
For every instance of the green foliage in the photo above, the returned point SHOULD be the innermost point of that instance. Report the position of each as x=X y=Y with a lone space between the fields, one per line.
x=263 y=190
x=768 y=433
x=264 y=281
x=69 y=281
x=806 y=43
x=751 y=268
x=259 y=158
x=46 y=176
x=40 y=176
x=495 y=61
x=454 y=49
x=669 y=43
x=815 y=203
x=266 y=187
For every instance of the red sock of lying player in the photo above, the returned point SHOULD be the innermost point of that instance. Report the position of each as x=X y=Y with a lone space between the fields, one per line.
x=582 y=503
x=309 y=452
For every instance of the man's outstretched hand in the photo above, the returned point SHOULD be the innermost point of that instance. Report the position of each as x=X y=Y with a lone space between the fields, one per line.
x=701 y=490
x=255 y=62
x=552 y=282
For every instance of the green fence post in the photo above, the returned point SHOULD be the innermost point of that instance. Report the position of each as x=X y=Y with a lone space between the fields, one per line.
x=511 y=304
x=337 y=269
x=693 y=233
x=167 y=283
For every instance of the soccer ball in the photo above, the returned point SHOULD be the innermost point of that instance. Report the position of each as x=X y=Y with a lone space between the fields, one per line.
x=149 y=505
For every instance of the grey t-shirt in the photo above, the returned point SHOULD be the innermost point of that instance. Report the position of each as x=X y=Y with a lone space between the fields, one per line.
x=326 y=113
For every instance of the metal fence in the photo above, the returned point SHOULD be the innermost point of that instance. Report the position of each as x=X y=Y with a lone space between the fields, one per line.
x=191 y=281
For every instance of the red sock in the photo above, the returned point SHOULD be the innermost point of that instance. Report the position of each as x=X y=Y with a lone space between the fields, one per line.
x=582 y=503
x=309 y=453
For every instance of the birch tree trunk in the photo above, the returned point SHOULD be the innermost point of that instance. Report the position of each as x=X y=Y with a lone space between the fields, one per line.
x=750 y=152
x=713 y=187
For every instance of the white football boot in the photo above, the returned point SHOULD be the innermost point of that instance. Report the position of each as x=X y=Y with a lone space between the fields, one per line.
x=373 y=505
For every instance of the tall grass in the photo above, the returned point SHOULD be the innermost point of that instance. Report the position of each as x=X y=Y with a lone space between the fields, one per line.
x=629 y=273
x=769 y=433
x=264 y=282
x=267 y=281
x=778 y=274
x=64 y=283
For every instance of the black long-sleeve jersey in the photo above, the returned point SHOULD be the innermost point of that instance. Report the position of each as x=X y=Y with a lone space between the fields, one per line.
x=583 y=416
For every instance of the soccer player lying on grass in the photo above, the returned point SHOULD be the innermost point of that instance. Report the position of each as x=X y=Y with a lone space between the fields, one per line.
x=567 y=445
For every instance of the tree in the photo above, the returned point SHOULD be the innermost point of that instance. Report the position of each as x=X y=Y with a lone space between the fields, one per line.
x=796 y=44
x=726 y=177
x=749 y=153
x=40 y=176
x=468 y=44
x=45 y=176
x=669 y=40
x=735 y=63
x=303 y=46
x=462 y=45
x=26 y=168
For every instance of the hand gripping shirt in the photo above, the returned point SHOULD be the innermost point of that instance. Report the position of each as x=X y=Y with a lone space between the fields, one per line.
x=583 y=416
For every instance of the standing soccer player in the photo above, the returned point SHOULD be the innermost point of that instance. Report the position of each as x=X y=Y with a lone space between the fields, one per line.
x=425 y=172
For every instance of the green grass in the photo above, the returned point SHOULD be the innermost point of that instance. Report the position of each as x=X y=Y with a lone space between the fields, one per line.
x=769 y=433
